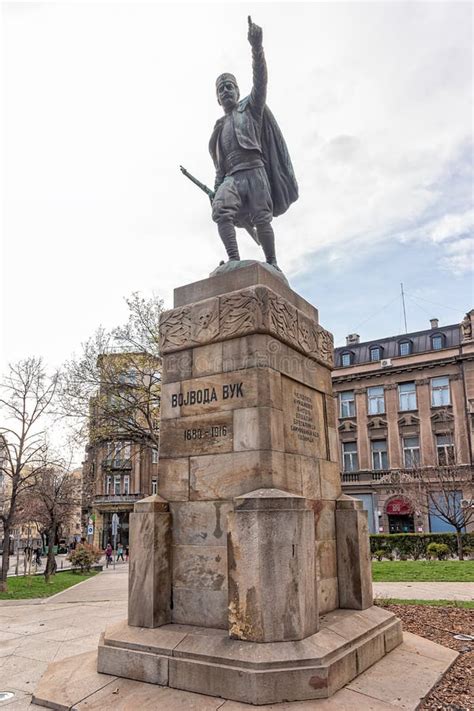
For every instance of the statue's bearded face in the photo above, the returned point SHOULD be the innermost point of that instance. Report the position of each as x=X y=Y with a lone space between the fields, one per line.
x=227 y=94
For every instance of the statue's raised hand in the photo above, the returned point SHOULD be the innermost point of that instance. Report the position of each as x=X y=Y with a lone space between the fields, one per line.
x=255 y=34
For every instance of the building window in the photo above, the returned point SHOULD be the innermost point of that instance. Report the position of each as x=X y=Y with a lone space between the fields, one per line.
x=445 y=450
x=440 y=392
x=154 y=487
x=407 y=396
x=437 y=342
x=347 y=404
x=376 y=400
x=379 y=454
x=108 y=484
x=349 y=456
x=154 y=456
x=126 y=484
x=117 y=484
x=404 y=348
x=346 y=359
x=411 y=452
x=375 y=353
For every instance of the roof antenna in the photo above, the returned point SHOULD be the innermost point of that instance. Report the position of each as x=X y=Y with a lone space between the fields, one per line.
x=404 y=310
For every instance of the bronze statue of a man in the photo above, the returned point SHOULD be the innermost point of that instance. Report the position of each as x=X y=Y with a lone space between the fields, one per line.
x=254 y=176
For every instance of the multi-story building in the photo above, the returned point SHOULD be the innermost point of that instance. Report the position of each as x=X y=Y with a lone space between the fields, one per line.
x=121 y=463
x=406 y=402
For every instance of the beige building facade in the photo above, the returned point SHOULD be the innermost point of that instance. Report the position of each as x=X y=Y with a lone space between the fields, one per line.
x=406 y=402
x=121 y=462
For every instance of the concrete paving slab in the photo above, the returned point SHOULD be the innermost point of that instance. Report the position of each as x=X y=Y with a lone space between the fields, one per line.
x=23 y=673
x=407 y=674
x=82 y=681
x=425 y=591
x=344 y=700
x=124 y=695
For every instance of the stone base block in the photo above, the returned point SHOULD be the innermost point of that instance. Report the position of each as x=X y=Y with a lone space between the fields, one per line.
x=208 y=661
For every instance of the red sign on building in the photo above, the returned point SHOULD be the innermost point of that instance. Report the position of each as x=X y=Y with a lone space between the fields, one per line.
x=399 y=507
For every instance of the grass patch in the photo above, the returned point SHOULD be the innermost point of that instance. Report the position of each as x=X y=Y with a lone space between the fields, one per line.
x=466 y=604
x=450 y=571
x=22 y=588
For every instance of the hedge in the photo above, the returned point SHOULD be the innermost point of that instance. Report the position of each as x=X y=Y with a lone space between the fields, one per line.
x=414 y=545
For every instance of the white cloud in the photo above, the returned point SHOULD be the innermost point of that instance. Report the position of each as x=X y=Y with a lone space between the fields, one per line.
x=104 y=101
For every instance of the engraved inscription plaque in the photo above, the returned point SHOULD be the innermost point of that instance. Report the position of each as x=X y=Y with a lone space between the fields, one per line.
x=304 y=426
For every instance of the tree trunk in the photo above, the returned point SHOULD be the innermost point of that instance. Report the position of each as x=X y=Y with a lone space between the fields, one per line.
x=51 y=560
x=5 y=558
x=459 y=542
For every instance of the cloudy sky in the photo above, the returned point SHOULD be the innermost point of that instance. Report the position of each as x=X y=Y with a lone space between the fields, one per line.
x=101 y=102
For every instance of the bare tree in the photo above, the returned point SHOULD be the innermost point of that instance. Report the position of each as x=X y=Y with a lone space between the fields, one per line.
x=53 y=502
x=436 y=490
x=112 y=389
x=26 y=398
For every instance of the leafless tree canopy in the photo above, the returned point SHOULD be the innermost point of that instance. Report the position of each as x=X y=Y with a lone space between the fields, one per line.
x=27 y=395
x=112 y=389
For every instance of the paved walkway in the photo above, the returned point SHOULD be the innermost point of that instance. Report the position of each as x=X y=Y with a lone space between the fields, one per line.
x=425 y=591
x=34 y=633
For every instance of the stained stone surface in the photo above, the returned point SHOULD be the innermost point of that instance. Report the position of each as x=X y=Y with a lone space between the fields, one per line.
x=272 y=582
x=353 y=554
x=149 y=593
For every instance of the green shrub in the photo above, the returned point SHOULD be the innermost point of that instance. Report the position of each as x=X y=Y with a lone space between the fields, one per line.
x=438 y=550
x=378 y=553
x=84 y=556
x=414 y=545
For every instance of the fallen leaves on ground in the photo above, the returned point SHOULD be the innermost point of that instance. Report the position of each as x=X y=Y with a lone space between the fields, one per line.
x=455 y=691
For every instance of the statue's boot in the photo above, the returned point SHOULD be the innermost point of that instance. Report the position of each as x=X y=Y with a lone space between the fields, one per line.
x=227 y=235
x=267 y=240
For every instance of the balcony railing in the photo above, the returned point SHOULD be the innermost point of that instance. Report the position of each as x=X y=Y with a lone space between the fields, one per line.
x=363 y=476
x=117 y=498
x=117 y=463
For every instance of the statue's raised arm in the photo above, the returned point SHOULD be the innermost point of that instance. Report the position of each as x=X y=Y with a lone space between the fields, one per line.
x=254 y=175
x=258 y=95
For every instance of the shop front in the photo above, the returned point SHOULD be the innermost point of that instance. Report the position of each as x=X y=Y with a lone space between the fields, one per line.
x=400 y=516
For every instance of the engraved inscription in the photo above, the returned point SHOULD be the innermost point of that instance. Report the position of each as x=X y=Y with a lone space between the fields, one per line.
x=204 y=396
x=303 y=418
x=200 y=434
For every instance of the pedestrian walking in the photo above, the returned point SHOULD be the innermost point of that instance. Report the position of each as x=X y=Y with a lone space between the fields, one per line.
x=126 y=553
x=37 y=554
x=120 y=552
x=108 y=554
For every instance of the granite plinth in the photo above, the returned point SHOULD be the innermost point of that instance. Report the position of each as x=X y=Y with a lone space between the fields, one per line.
x=208 y=661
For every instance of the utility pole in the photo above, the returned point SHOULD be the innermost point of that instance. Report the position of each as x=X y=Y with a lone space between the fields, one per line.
x=404 y=309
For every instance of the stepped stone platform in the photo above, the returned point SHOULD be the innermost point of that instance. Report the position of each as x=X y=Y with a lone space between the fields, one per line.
x=399 y=681
x=208 y=661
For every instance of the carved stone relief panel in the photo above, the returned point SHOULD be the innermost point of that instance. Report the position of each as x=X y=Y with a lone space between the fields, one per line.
x=239 y=313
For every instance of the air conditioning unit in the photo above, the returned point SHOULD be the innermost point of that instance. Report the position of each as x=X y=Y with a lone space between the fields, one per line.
x=386 y=362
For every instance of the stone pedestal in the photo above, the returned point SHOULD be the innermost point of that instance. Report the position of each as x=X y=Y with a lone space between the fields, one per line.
x=149 y=590
x=353 y=554
x=248 y=467
x=272 y=582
